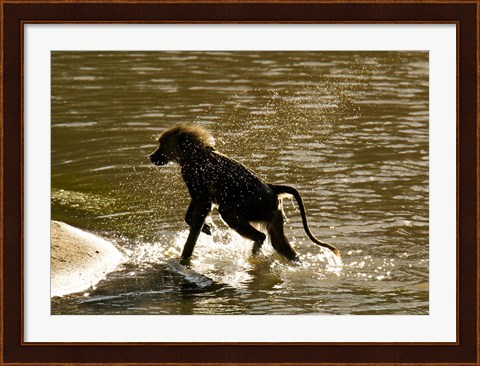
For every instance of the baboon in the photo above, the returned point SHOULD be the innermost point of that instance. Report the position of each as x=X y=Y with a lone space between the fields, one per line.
x=242 y=197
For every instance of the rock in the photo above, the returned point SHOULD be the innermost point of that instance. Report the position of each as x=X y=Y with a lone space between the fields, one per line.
x=79 y=260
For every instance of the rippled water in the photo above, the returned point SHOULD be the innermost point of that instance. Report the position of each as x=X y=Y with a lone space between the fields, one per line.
x=348 y=129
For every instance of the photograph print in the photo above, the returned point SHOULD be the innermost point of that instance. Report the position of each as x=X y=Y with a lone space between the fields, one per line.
x=239 y=182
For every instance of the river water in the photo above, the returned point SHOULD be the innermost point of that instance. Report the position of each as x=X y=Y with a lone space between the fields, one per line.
x=348 y=129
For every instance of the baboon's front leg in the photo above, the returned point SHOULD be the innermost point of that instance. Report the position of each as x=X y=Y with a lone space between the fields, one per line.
x=189 y=218
x=198 y=218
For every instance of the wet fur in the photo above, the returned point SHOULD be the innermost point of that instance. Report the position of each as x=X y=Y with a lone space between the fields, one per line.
x=242 y=197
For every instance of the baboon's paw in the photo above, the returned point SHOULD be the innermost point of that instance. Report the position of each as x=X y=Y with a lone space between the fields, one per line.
x=206 y=229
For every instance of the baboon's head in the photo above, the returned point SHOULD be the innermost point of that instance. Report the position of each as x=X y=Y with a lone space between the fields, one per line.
x=179 y=142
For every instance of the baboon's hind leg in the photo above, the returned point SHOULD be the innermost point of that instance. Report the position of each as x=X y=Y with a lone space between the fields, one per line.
x=278 y=239
x=240 y=224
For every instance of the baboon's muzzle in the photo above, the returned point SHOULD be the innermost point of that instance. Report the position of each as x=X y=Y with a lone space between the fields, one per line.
x=158 y=158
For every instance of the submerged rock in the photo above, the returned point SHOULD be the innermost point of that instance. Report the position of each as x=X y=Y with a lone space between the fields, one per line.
x=79 y=260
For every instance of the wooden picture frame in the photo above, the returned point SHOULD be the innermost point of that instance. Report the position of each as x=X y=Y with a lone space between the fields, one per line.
x=15 y=14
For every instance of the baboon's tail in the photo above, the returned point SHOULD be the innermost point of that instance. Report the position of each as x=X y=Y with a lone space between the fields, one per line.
x=292 y=191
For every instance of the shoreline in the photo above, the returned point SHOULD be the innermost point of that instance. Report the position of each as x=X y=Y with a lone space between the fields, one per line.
x=78 y=259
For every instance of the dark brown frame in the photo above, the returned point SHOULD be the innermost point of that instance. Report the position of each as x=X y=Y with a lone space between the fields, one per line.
x=14 y=14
